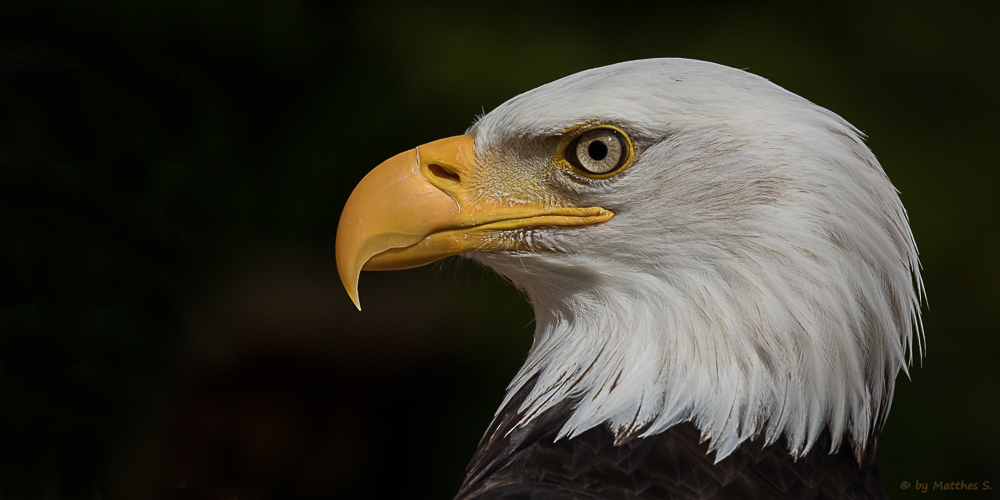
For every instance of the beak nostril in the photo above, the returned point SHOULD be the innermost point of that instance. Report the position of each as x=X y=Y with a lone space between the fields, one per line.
x=443 y=173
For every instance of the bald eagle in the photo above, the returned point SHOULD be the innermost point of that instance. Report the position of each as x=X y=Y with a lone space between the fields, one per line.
x=724 y=282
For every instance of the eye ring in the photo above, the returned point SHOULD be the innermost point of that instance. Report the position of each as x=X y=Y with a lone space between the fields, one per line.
x=599 y=152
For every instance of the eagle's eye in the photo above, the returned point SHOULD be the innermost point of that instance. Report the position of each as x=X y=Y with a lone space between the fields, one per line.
x=600 y=151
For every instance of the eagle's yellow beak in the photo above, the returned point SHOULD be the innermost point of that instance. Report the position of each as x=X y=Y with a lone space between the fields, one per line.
x=420 y=206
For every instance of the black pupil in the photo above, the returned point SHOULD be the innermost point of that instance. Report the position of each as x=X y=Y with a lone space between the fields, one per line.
x=597 y=150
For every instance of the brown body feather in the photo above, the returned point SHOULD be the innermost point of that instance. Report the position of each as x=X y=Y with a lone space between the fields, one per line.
x=528 y=463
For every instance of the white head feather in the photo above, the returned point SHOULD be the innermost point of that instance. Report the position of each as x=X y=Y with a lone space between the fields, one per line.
x=759 y=278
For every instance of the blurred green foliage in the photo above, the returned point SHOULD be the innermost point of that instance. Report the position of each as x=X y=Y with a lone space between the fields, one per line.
x=171 y=175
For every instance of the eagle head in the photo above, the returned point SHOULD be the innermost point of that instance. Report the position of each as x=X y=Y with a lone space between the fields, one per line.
x=698 y=244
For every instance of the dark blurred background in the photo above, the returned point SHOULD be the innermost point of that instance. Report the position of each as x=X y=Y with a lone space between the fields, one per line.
x=172 y=173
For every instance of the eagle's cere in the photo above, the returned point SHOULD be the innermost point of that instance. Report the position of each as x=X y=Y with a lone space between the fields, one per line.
x=700 y=246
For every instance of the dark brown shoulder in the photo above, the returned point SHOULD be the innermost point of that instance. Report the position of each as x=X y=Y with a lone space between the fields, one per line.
x=527 y=463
